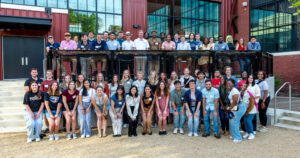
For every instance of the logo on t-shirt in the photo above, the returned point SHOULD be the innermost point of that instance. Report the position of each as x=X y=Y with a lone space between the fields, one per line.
x=54 y=99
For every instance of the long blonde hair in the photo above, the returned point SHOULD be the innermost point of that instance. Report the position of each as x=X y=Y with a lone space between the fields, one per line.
x=98 y=81
x=151 y=80
x=65 y=84
x=123 y=77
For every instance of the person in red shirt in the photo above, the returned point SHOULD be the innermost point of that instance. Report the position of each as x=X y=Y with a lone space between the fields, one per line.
x=244 y=80
x=216 y=80
x=46 y=84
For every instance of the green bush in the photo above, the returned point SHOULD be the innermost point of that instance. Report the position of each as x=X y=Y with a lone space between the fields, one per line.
x=277 y=81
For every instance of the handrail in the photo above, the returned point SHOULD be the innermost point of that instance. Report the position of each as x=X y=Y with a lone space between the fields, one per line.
x=290 y=98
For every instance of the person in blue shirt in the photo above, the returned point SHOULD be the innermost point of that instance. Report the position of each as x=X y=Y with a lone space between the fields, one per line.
x=120 y=38
x=99 y=45
x=198 y=42
x=253 y=45
x=228 y=75
x=222 y=46
x=176 y=40
x=191 y=41
x=192 y=103
x=210 y=101
x=91 y=38
x=171 y=58
x=50 y=46
x=113 y=44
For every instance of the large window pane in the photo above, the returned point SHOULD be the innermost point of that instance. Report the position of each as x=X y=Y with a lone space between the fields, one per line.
x=101 y=5
x=18 y=1
x=52 y=3
x=6 y=1
x=118 y=23
x=62 y=4
x=73 y=4
x=91 y=22
x=42 y=3
x=73 y=21
x=91 y=5
x=82 y=4
x=118 y=6
x=109 y=6
x=29 y=2
x=109 y=22
x=101 y=23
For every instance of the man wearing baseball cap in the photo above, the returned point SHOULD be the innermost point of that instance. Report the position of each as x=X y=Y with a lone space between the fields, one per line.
x=51 y=45
x=155 y=44
x=68 y=44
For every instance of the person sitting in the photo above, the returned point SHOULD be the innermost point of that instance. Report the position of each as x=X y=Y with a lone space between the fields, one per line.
x=68 y=44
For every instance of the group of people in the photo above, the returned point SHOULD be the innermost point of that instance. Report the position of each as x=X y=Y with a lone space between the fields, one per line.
x=108 y=41
x=187 y=98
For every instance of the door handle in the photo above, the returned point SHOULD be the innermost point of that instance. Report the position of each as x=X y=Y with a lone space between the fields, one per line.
x=26 y=60
x=22 y=61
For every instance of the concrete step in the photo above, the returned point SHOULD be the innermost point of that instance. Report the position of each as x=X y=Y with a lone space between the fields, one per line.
x=12 y=93
x=11 y=104
x=11 y=98
x=13 y=116
x=13 y=123
x=12 y=89
x=292 y=114
x=12 y=129
x=11 y=110
x=287 y=126
x=289 y=121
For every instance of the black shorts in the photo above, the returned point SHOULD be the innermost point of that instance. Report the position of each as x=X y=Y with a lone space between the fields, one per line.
x=70 y=106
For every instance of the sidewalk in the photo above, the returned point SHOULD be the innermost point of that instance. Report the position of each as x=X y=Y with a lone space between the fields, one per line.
x=283 y=103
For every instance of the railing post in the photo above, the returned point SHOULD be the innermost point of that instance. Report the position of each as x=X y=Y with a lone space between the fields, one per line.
x=290 y=97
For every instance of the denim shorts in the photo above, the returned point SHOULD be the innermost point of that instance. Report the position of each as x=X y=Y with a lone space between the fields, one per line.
x=53 y=113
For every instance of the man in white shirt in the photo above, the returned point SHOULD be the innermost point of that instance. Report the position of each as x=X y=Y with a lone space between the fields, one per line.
x=128 y=44
x=183 y=46
x=140 y=44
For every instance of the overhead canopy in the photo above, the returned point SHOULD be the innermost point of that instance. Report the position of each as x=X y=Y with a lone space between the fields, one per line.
x=15 y=22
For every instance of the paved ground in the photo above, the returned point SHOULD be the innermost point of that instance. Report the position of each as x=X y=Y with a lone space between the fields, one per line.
x=276 y=143
x=283 y=103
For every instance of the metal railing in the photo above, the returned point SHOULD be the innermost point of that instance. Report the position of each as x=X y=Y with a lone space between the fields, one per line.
x=275 y=98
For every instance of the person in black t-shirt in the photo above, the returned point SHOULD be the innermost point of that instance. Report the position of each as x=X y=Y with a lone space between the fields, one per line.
x=33 y=113
x=53 y=103
x=50 y=46
x=34 y=77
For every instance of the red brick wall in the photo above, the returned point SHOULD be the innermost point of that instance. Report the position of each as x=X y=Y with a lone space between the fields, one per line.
x=243 y=21
x=288 y=69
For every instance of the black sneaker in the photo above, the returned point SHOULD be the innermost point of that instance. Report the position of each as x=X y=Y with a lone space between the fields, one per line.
x=46 y=130
x=150 y=133
x=129 y=135
x=205 y=135
x=165 y=132
x=217 y=136
x=115 y=135
x=160 y=133
x=144 y=133
x=119 y=135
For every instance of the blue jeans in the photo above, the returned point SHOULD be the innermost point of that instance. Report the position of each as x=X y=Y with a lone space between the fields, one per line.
x=215 y=122
x=193 y=122
x=33 y=124
x=248 y=123
x=85 y=119
x=234 y=123
x=224 y=120
x=179 y=119
x=247 y=62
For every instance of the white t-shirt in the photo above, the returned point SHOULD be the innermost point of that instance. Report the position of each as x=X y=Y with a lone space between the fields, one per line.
x=127 y=45
x=246 y=101
x=141 y=44
x=263 y=85
x=233 y=92
x=90 y=93
x=255 y=90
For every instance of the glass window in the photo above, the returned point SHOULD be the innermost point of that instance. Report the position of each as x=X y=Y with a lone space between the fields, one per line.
x=118 y=6
x=91 y=5
x=42 y=3
x=117 y=23
x=29 y=2
x=52 y=3
x=109 y=22
x=109 y=6
x=6 y=1
x=101 y=23
x=82 y=4
x=101 y=5
x=73 y=4
x=62 y=4
x=91 y=22
x=18 y=1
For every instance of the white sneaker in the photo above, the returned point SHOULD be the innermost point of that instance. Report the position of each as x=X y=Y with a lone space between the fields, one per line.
x=246 y=136
x=175 y=130
x=74 y=136
x=230 y=137
x=29 y=140
x=82 y=136
x=37 y=139
x=68 y=136
x=190 y=134
x=236 y=141
x=251 y=136
x=241 y=131
x=51 y=137
x=196 y=134
x=181 y=131
x=258 y=128
x=263 y=129
x=56 y=137
x=254 y=132
x=125 y=125
x=88 y=136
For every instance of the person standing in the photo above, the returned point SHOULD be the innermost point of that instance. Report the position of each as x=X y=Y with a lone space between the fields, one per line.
x=236 y=109
x=100 y=82
x=222 y=46
x=120 y=38
x=50 y=47
x=91 y=38
x=34 y=78
x=228 y=75
x=186 y=78
x=241 y=46
x=183 y=46
x=99 y=45
x=101 y=103
x=84 y=110
x=117 y=109
x=113 y=85
x=70 y=102
x=203 y=61
x=192 y=41
x=263 y=101
x=168 y=44
x=198 y=41
x=112 y=44
x=224 y=104
x=244 y=76
x=132 y=106
x=128 y=44
x=177 y=102
x=64 y=84
x=147 y=106
x=53 y=103
x=33 y=112
x=68 y=44
x=126 y=82
x=216 y=80
x=155 y=44
x=162 y=106
x=176 y=40
x=192 y=101
x=200 y=82
x=140 y=83
x=84 y=61
x=210 y=102
x=105 y=36
x=140 y=44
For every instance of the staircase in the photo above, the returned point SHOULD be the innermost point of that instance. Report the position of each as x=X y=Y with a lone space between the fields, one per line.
x=290 y=120
x=11 y=106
